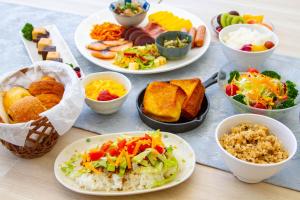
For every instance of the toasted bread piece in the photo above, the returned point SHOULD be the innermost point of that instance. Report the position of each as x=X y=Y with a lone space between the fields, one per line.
x=163 y=101
x=194 y=90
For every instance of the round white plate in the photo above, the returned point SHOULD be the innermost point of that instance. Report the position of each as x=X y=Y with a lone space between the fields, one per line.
x=183 y=153
x=82 y=38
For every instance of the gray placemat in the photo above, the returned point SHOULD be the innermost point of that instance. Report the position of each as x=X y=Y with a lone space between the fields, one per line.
x=14 y=55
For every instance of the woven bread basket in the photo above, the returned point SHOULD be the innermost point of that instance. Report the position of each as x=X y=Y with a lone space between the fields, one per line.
x=40 y=139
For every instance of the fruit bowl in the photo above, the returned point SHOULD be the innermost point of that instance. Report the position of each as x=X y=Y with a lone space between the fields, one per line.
x=217 y=27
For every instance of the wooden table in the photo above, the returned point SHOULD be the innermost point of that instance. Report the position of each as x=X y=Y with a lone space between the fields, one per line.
x=34 y=179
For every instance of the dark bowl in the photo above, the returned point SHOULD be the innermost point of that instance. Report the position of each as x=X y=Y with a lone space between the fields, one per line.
x=172 y=53
x=181 y=126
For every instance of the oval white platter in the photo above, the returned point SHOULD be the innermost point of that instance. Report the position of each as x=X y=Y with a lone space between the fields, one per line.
x=82 y=38
x=183 y=153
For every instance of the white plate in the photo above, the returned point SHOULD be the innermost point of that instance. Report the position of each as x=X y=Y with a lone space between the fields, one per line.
x=184 y=154
x=82 y=38
x=58 y=41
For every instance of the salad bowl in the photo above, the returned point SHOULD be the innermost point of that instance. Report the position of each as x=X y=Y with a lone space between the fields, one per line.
x=290 y=74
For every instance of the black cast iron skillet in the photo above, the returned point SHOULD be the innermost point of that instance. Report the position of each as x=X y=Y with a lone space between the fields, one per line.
x=182 y=125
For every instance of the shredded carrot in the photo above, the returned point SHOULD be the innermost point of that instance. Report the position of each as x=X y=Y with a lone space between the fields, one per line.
x=128 y=160
x=119 y=158
x=106 y=31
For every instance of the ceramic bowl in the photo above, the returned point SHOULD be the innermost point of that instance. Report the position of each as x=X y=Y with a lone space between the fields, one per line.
x=243 y=57
x=279 y=114
x=173 y=53
x=251 y=172
x=128 y=21
x=107 y=107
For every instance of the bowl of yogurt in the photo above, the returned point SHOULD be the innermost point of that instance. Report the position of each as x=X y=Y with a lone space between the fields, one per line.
x=248 y=44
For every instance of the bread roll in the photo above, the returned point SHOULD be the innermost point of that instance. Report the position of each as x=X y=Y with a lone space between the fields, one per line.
x=46 y=86
x=26 y=109
x=49 y=100
x=13 y=95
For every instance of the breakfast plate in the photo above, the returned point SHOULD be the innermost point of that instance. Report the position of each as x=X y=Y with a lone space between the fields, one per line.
x=181 y=150
x=82 y=38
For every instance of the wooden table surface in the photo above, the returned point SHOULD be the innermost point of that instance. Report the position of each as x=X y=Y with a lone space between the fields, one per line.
x=34 y=179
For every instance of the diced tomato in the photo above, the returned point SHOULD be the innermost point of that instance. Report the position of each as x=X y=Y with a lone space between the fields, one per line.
x=96 y=155
x=231 y=89
x=252 y=70
x=131 y=147
x=144 y=146
x=160 y=149
x=121 y=144
x=260 y=105
x=113 y=152
x=105 y=146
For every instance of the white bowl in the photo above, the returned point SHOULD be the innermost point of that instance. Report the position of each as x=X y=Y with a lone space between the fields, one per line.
x=107 y=107
x=245 y=58
x=251 y=172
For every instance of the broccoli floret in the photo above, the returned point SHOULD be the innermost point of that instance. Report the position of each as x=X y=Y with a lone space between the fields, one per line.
x=286 y=104
x=240 y=98
x=27 y=31
x=271 y=74
x=292 y=92
x=233 y=75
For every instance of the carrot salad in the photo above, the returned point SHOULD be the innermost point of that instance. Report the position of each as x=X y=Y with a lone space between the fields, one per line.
x=106 y=31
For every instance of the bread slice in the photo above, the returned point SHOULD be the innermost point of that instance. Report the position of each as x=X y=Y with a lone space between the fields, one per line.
x=194 y=90
x=163 y=101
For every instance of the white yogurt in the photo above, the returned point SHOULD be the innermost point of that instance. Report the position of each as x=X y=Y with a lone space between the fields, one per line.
x=237 y=39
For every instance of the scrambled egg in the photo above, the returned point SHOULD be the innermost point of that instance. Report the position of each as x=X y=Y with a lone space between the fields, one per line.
x=93 y=88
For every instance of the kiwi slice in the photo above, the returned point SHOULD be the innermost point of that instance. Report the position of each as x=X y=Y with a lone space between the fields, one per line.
x=229 y=20
x=237 y=20
x=224 y=19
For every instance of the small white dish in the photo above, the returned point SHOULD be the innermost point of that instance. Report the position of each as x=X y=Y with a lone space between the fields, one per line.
x=252 y=172
x=107 y=107
x=183 y=153
x=245 y=58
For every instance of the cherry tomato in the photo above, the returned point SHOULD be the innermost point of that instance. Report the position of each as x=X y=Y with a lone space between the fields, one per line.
x=121 y=144
x=131 y=147
x=160 y=149
x=96 y=155
x=252 y=70
x=113 y=152
x=144 y=146
x=259 y=105
x=231 y=89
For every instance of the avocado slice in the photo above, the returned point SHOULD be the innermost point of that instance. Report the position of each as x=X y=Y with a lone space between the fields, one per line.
x=223 y=19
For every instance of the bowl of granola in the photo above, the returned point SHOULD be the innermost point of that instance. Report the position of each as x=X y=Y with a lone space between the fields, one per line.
x=255 y=147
